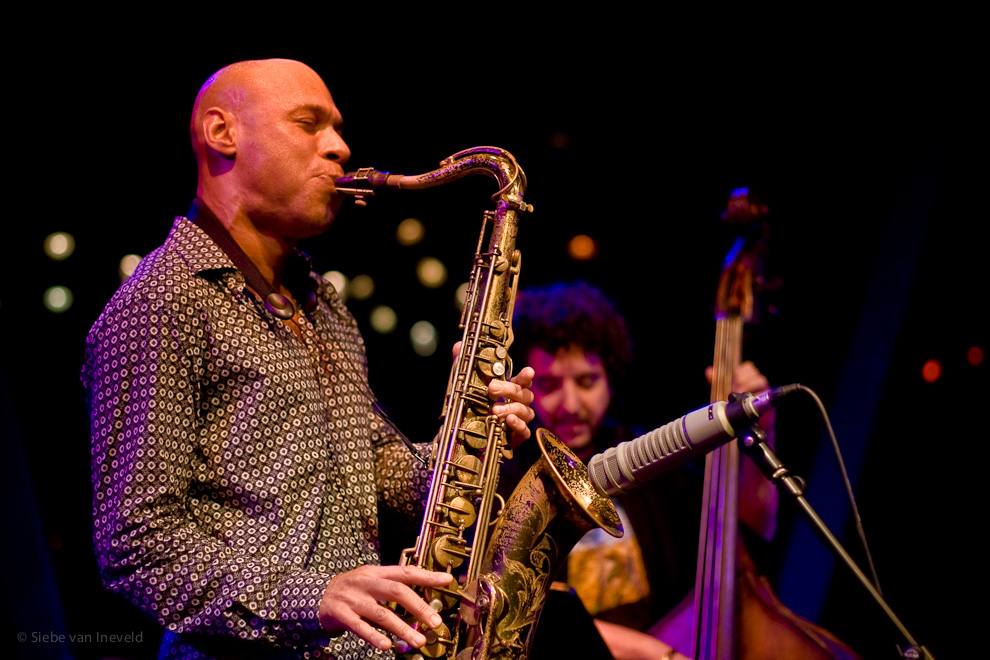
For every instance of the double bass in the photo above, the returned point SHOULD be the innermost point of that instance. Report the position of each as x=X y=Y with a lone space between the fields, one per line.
x=736 y=614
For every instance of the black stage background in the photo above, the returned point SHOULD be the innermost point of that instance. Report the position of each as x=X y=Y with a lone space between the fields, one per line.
x=866 y=155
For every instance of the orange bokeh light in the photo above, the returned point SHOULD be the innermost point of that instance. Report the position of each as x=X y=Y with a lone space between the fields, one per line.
x=582 y=247
x=931 y=371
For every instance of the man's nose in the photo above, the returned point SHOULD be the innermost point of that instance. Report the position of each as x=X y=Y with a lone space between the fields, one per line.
x=571 y=400
x=334 y=147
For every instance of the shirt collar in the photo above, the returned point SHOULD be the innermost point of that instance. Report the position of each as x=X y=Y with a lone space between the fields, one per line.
x=198 y=249
x=202 y=254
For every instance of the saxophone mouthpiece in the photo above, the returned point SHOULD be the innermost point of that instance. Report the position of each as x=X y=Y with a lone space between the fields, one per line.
x=366 y=181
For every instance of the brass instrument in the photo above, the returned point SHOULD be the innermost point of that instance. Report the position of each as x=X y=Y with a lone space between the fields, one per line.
x=504 y=557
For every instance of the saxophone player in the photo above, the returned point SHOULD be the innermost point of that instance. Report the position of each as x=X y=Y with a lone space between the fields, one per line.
x=237 y=463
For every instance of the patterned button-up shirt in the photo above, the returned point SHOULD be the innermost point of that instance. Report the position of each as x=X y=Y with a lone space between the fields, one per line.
x=237 y=467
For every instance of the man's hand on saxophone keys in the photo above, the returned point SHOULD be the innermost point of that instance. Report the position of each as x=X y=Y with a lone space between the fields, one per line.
x=514 y=404
x=353 y=601
x=514 y=401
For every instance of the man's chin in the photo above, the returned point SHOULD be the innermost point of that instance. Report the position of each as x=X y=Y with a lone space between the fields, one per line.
x=579 y=443
x=313 y=225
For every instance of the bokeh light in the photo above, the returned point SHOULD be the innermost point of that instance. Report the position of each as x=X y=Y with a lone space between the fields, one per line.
x=931 y=371
x=974 y=355
x=431 y=272
x=410 y=231
x=60 y=245
x=57 y=299
x=560 y=140
x=582 y=247
x=423 y=336
x=339 y=282
x=127 y=266
x=383 y=319
x=362 y=287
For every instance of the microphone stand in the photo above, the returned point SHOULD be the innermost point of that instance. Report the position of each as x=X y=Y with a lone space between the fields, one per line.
x=753 y=444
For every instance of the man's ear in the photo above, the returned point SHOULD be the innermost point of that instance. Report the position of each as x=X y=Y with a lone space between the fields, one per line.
x=219 y=132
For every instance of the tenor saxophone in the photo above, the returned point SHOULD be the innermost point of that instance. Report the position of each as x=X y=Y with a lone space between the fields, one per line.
x=503 y=558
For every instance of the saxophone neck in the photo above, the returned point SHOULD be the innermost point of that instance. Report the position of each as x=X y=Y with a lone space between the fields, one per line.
x=493 y=161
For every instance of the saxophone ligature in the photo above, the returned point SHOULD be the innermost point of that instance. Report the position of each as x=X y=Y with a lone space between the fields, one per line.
x=503 y=554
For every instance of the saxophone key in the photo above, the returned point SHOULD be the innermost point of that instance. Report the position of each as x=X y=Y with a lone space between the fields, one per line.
x=468 y=471
x=450 y=551
x=437 y=641
x=497 y=329
x=491 y=361
x=446 y=597
x=461 y=512
x=474 y=434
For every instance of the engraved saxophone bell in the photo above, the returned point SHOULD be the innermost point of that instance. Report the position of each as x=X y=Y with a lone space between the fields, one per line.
x=550 y=509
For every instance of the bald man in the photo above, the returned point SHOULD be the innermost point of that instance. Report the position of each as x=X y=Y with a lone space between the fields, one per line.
x=238 y=465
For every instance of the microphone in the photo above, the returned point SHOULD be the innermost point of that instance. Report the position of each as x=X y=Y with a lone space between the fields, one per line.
x=627 y=465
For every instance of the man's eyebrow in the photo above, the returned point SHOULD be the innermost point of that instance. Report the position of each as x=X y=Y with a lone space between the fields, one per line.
x=312 y=108
x=321 y=112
